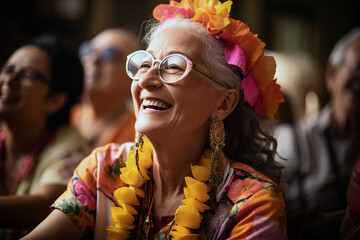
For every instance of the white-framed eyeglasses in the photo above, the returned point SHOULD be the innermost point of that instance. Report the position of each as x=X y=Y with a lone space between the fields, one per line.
x=173 y=68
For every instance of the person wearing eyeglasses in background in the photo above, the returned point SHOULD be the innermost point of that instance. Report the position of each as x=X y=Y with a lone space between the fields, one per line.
x=105 y=114
x=39 y=84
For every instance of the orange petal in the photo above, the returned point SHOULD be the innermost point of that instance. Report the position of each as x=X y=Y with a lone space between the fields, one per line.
x=138 y=191
x=201 y=207
x=120 y=216
x=131 y=177
x=188 y=216
x=197 y=189
x=130 y=162
x=130 y=209
x=126 y=195
x=206 y=159
x=181 y=236
x=117 y=234
x=200 y=173
x=180 y=229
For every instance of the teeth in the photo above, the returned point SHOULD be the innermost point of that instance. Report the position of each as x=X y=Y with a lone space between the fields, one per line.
x=154 y=103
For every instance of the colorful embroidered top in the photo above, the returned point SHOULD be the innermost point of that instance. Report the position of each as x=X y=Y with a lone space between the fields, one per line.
x=249 y=205
x=52 y=164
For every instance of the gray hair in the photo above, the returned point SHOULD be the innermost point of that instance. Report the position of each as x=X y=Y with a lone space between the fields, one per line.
x=338 y=53
x=212 y=54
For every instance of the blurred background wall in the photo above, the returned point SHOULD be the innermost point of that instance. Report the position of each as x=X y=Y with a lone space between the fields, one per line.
x=298 y=33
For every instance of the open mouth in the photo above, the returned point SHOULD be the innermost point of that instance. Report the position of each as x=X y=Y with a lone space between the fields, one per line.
x=9 y=97
x=155 y=105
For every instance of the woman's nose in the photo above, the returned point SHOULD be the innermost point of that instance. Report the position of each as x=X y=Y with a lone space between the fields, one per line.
x=151 y=78
x=91 y=58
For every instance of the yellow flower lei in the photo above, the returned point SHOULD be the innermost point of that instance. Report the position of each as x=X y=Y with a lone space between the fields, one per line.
x=187 y=216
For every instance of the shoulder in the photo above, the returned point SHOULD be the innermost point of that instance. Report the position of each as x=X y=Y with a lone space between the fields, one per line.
x=315 y=123
x=109 y=154
x=249 y=172
x=66 y=143
x=67 y=138
x=247 y=182
x=102 y=167
x=254 y=205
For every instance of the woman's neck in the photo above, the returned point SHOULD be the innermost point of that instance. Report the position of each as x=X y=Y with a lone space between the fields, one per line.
x=20 y=138
x=172 y=164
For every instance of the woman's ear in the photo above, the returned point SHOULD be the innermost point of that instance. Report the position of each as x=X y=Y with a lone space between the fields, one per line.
x=55 y=102
x=227 y=103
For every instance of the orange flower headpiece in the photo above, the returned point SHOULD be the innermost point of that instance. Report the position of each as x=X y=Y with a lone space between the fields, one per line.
x=243 y=49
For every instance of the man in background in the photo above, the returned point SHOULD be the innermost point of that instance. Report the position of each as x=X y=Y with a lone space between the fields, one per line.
x=323 y=149
x=105 y=114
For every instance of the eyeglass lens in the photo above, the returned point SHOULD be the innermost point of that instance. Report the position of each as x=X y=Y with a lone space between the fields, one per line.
x=171 y=69
x=25 y=73
x=107 y=55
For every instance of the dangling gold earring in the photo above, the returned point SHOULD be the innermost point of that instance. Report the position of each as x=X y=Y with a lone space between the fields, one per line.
x=217 y=143
x=139 y=142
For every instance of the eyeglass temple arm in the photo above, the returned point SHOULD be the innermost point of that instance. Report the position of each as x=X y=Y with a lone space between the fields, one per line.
x=211 y=77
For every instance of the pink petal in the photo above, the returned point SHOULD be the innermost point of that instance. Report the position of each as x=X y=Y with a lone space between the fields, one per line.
x=251 y=91
x=236 y=56
x=84 y=195
x=259 y=109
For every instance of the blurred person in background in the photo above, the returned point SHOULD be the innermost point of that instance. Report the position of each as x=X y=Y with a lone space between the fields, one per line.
x=350 y=227
x=322 y=150
x=106 y=114
x=39 y=84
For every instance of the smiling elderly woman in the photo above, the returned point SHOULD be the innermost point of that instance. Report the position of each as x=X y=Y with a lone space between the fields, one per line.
x=201 y=167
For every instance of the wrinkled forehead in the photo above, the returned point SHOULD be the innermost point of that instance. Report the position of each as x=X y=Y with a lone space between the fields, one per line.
x=175 y=39
x=116 y=39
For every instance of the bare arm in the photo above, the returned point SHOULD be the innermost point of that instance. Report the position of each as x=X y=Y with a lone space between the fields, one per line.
x=27 y=211
x=56 y=226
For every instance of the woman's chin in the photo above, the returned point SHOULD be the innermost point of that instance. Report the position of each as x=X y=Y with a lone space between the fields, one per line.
x=148 y=129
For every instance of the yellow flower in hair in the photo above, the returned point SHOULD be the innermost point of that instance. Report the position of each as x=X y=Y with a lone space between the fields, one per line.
x=214 y=15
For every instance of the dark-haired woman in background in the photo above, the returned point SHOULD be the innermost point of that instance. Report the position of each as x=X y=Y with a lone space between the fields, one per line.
x=39 y=84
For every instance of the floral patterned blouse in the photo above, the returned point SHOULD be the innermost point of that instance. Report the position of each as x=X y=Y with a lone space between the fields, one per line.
x=248 y=204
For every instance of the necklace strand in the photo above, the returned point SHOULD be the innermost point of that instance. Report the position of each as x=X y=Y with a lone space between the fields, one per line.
x=187 y=217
